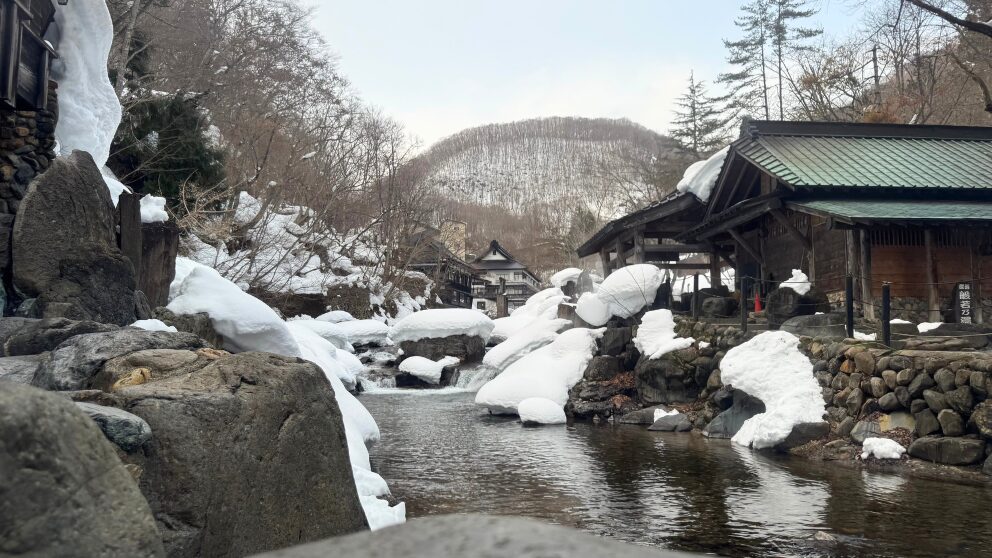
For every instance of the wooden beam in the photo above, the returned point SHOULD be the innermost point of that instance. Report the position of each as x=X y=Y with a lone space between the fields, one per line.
x=679 y=248
x=787 y=223
x=730 y=261
x=618 y=248
x=639 y=247
x=682 y=265
x=867 y=297
x=744 y=245
x=604 y=259
x=714 y=270
x=933 y=296
x=744 y=217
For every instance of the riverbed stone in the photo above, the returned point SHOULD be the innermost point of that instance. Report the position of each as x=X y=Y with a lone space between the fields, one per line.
x=950 y=423
x=935 y=400
x=668 y=379
x=917 y=405
x=889 y=402
x=125 y=430
x=248 y=454
x=878 y=387
x=467 y=348
x=977 y=381
x=615 y=340
x=920 y=382
x=926 y=423
x=642 y=416
x=902 y=394
x=853 y=402
x=944 y=379
x=804 y=433
x=845 y=426
x=865 y=429
x=905 y=376
x=672 y=423
x=39 y=336
x=602 y=368
x=864 y=361
x=19 y=369
x=472 y=536
x=960 y=399
x=948 y=451
x=889 y=377
x=65 y=492
x=729 y=422
x=981 y=418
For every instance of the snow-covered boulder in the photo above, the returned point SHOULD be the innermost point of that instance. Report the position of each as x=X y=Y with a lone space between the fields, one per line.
x=533 y=336
x=548 y=372
x=335 y=316
x=434 y=334
x=365 y=332
x=424 y=371
x=771 y=368
x=656 y=335
x=337 y=335
x=154 y=325
x=565 y=276
x=536 y=411
x=245 y=323
x=624 y=293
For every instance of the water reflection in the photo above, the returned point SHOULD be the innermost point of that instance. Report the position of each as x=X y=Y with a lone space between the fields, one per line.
x=443 y=455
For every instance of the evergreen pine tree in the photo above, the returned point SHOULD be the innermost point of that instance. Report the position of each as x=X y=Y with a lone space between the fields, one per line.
x=698 y=125
x=787 y=36
x=748 y=83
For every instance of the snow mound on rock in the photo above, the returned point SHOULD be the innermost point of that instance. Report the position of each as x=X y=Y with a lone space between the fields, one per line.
x=426 y=369
x=533 y=336
x=624 y=293
x=538 y=410
x=335 y=316
x=541 y=305
x=798 y=282
x=656 y=335
x=548 y=372
x=561 y=278
x=365 y=332
x=771 y=368
x=338 y=336
x=245 y=323
x=153 y=325
x=882 y=448
x=447 y=322
x=700 y=178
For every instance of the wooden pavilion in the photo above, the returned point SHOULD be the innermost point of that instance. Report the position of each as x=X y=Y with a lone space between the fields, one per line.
x=25 y=55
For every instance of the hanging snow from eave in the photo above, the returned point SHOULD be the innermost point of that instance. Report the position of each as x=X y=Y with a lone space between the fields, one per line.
x=89 y=111
x=701 y=176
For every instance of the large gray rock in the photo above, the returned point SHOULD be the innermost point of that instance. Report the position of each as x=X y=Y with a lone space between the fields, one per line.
x=64 y=247
x=949 y=451
x=40 y=336
x=63 y=491
x=19 y=369
x=74 y=363
x=804 y=433
x=672 y=423
x=642 y=416
x=198 y=324
x=668 y=379
x=467 y=348
x=865 y=429
x=832 y=326
x=472 y=536
x=248 y=454
x=125 y=430
x=727 y=423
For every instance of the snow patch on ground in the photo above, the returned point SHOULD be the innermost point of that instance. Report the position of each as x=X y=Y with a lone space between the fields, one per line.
x=537 y=410
x=862 y=336
x=928 y=326
x=426 y=369
x=435 y=324
x=656 y=335
x=548 y=372
x=798 y=282
x=771 y=368
x=700 y=178
x=154 y=325
x=624 y=293
x=882 y=448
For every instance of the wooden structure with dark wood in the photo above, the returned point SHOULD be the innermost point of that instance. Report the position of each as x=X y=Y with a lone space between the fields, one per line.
x=649 y=235
x=900 y=204
x=25 y=56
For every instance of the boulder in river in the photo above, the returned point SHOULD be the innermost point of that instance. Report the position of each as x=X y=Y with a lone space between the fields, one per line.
x=63 y=490
x=467 y=348
x=729 y=422
x=671 y=378
x=948 y=451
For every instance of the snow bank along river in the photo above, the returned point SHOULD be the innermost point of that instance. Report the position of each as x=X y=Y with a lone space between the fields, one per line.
x=442 y=454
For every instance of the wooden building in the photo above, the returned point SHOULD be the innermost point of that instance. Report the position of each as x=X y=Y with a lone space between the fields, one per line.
x=25 y=56
x=496 y=267
x=452 y=275
x=899 y=204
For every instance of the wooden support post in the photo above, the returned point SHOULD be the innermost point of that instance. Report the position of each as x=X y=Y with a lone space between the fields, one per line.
x=812 y=253
x=745 y=303
x=745 y=246
x=639 y=246
x=714 y=270
x=976 y=279
x=621 y=260
x=129 y=237
x=867 y=297
x=502 y=303
x=695 y=296
x=849 y=305
x=886 y=315
x=933 y=295
x=604 y=259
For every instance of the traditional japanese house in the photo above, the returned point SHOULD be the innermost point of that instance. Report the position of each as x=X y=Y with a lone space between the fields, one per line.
x=498 y=269
x=904 y=204
x=440 y=255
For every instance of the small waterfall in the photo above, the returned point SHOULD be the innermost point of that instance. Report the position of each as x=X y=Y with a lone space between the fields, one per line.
x=471 y=378
x=372 y=385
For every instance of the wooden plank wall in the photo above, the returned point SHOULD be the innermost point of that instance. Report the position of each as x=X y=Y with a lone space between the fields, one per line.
x=782 y=251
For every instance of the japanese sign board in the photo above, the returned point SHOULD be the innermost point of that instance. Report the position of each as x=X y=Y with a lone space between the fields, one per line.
x=963 y=310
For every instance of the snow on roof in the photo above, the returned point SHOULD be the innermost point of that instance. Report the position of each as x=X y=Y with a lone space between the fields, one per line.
x=656 y=335
x=771 y=368
x=548 y=372
x=700 y=178
x=426 y=369
x=447 y=322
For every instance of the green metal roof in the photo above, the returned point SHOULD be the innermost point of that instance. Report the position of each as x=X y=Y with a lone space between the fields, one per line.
x=872 y=162
x=899 y=210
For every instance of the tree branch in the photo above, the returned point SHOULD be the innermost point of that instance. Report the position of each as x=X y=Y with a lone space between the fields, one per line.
x=986 y=93
x=976 y=26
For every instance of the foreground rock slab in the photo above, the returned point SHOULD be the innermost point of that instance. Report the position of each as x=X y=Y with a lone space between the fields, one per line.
x=472 y=536
x=248 y=453
x=63 y=491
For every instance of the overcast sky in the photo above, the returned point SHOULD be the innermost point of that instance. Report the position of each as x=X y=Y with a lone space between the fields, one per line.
x=439 y=66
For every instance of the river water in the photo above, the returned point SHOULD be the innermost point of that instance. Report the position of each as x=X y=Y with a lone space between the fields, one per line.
x=441 y=454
